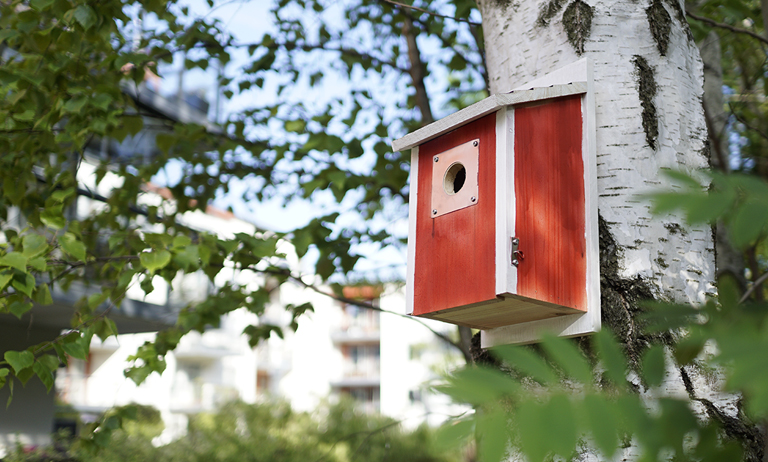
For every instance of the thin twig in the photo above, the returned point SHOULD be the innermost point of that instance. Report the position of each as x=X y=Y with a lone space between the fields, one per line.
x=721 y=25
x=754 y=287
x=358 y=303
x=746 y=124
x=432 y=13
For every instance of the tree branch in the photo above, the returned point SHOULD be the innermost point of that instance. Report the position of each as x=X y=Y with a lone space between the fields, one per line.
x=358 y=303
x=417 y=72
x=721 y=25
x=754 y=287
x=432 y=13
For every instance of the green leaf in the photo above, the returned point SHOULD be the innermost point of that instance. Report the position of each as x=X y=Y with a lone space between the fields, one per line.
x=45 y=374
x=105 y=328
x=567 y=357
x=62 y=194
x=19 y=308
x=6 y=34
x=53 y=217
x=187 y=258
x=5 y=278
x=14 y=260
x=602 y=424
x=76 y=104
x=479 y=385
x=138 y=374
x=41 y=5
x=493 y=435
x=94 y=300
x=748 y=222
x=155 y=260
x=528 y=363
x=76 y=350
x=24 y=284
x=34 y=245
x=43 y=295
x=38 y=263
x=654 y=365
x=19 y=360
x=72 y=246
x=165 y=142
x=453 y=434
x=51 y=362
x=85 y=15
x=611 y=357
x=533 y=430
x=560 y=418
x=25 y=374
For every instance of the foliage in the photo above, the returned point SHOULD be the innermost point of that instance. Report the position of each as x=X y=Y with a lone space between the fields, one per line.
x=559 y=400
x=738 y=131
x=274 y=432
x=70 y=74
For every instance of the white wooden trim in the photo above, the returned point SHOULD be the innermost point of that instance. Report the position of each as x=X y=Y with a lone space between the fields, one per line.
x=579 y=71
x=577 y=324
x=502 y=204
x=508 y=177
x=485 y=107
x=589 y=138
x=413 y=195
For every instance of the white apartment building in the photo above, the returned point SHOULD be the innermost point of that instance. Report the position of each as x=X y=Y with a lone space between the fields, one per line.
x=383 y=360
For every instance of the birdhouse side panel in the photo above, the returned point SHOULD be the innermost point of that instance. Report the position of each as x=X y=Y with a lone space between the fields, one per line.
x=550 y=208
x=455 y=252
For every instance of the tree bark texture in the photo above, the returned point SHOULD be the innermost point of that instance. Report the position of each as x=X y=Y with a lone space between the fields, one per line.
x=648 y=78
x=648 y=90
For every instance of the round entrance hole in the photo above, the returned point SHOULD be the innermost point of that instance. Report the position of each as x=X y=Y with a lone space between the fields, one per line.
x=454 y=178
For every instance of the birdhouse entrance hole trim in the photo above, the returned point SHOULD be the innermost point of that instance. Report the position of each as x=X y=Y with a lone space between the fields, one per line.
x=536 y=206
x=454 y=179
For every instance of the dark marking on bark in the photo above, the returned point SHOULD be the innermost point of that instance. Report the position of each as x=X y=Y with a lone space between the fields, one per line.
x=739 y=428
x=549 y=11
x=577 y=21
x=680 y=16
x=647 y=91
x=661 y=24
x=674 y=228
x=663 y=264
x=621 y=299
x=480 y=356
x=679 y=13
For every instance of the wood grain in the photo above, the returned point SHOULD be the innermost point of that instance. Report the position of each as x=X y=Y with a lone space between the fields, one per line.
x=455 y=255
x=549 y=186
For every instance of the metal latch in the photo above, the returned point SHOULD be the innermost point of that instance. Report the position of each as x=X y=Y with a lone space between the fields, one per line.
x=517 y=255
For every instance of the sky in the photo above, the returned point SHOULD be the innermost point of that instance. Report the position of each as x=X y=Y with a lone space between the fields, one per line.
x=248 y=21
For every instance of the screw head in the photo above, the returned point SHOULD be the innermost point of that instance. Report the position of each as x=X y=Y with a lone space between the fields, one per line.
x=515 y=262
x=434 y=212
x=473 y=199
x=474 y=143
x=515 y=241
x=436 y=158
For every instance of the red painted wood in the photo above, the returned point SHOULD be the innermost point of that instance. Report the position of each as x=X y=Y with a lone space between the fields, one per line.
x=455 y=259
x=549 y=189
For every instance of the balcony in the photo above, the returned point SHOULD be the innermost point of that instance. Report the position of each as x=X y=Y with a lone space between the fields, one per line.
x=132 y=316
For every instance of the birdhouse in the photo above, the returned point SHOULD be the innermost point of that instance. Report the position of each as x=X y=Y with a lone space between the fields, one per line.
x=503 y=213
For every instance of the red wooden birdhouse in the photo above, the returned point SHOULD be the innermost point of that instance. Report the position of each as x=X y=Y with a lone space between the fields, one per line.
x=503 y=213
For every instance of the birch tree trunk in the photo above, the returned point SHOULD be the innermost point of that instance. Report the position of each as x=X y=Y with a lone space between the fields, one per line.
x=648 y=90
x=648 y=78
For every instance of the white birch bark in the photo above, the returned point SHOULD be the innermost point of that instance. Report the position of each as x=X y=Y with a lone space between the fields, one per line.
x=678 y=263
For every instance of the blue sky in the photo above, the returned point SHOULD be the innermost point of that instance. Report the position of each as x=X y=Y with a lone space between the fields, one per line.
x=248 y=21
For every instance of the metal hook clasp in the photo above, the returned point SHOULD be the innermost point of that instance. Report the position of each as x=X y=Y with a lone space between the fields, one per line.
x=517 y=255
